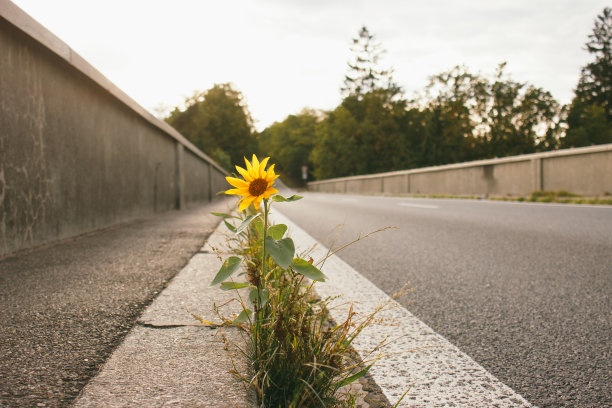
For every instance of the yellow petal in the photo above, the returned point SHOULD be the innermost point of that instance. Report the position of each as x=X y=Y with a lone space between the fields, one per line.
x=262 y=167
x=255 y=162
x=244 y=173
x=238 y=191
x=248 y=166
x=236 y=182
x=270 y=172
x=269 y=192
x=257 y=201
x=246 y=201
x=253 y=172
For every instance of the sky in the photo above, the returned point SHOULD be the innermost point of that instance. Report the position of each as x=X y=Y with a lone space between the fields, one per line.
x=286 y=55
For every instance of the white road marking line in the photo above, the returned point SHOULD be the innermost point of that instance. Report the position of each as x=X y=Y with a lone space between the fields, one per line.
x=434 y=371
x=417 y=205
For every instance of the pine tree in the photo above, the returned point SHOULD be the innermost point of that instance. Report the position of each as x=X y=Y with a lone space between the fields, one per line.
x=364 y=73
x=589 y=118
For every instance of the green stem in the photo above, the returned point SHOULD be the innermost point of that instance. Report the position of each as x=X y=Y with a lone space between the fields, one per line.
x=265 y=234
x=261 y=284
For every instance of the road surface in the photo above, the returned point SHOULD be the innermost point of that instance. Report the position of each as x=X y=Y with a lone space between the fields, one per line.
x=523 y=288
x=65 y=307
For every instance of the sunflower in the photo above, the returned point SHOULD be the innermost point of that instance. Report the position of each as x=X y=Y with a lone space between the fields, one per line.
x=257 y=183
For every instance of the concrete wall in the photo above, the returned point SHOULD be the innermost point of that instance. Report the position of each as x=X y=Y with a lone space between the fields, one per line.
x=77 y=154
x=586 y=171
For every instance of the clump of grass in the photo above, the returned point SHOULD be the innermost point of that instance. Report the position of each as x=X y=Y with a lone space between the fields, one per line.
x=561 y=197
x=551 y=196
x=299 y=357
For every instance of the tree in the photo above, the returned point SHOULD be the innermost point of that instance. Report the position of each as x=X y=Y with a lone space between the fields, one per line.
x=290 y=142
x=452 y=117
x=364 y=74
x=363 y=135
x=589 y=118
x=473 y=117
x=218 y=122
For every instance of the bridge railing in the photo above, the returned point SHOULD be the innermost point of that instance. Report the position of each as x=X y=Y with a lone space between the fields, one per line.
x=76 y=153
x=586 y=171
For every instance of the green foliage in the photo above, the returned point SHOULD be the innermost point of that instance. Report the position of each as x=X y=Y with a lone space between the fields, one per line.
x=587 y=125
x=243 y=317
x=259 y=297
x=474 y=117
x=468 y=117
x=299 y=357
x=464 y=117
x=375 y=129
x=290 y=143
x=281 y=250
x=363 y=135
x=561 y=197
x=364 y=73
x=589 y=118
x=277 y=231
x=230 y=266
x=245 y=223
x=233 y=285
x=280 y=199
x=307 y=269
x=218 y=122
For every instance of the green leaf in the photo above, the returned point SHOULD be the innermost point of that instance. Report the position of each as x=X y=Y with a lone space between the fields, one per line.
x=245 y=223
x=259 y=297
x=230 y=266
x=281 y=251
x=234 y=285
x=280 y=199
x=277 y=231
x=243 y=316
x=353 y=377
x=229 y=226
x=258 y=227
x=308 y=270
x=224 y=215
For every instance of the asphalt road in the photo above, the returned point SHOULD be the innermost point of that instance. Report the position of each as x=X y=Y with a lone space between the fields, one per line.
x=65 y=307
x=522 y=288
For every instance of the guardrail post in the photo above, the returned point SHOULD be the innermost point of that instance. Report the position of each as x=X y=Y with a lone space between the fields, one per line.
x=179 y=180
x=536 y=171
x=210 y=193
x=487 y=172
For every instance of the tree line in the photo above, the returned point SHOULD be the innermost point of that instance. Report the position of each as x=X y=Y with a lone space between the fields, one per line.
x=462 y=116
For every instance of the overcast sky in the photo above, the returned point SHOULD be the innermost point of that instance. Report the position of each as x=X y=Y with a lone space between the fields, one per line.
x=285 y=55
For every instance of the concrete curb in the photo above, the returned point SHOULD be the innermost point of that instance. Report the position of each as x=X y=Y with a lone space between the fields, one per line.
x=169 y=358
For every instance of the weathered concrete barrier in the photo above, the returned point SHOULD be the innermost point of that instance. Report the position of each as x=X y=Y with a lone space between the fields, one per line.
x=585 y=170
x=76 y=153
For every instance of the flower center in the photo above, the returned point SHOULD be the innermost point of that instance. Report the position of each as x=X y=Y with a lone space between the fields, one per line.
x=257 y=187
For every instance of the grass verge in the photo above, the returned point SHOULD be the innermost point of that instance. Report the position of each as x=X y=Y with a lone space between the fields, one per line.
x=561 y=197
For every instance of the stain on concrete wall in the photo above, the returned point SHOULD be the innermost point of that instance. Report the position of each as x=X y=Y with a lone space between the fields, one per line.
x=24 y=175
